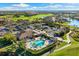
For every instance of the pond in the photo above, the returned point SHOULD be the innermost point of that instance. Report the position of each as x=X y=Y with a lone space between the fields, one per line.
x=74 y=22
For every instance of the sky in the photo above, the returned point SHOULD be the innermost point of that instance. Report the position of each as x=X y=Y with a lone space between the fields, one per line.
x=38 y=6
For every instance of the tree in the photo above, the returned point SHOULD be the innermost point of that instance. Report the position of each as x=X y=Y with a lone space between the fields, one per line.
x=10 y=37
x=21 y=48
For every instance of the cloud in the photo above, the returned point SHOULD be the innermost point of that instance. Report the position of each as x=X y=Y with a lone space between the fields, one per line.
x=62 y=7
x=20 y=5
x=48 y=7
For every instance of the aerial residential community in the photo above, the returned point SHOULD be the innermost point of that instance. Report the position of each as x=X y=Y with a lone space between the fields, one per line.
x=39 y=32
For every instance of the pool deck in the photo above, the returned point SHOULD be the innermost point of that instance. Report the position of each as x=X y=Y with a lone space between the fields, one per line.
x=28 y=45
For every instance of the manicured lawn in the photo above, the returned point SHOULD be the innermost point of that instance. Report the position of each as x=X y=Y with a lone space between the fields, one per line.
x=64 y=37
x=69 y=51
x=72 y=50
x=31 y=18
x=63 y=23
x=2 y=16
x=61 y=44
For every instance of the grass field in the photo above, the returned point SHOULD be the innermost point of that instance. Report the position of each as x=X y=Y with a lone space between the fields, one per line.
x=72 y=50
x=31 y=18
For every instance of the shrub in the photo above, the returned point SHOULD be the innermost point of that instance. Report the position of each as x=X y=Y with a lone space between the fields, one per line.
x=4 y=42
x=10 y=37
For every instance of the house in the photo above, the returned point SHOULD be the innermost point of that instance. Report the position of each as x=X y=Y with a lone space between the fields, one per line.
x=22 y=22
x=3 y=30
x=2 y=33
x=2 y=20
x=30 y=27
x=25 y=34
x=50 y=19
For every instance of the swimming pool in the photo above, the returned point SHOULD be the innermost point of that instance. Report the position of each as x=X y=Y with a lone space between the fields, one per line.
x=38 y=43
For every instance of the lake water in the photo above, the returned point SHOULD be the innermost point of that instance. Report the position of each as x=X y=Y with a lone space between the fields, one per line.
x=74 y=22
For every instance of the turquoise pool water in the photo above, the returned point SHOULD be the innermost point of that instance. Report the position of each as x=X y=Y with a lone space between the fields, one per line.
x=38 y=43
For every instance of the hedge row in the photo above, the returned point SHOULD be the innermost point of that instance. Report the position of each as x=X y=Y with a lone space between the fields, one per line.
x=41 y=51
